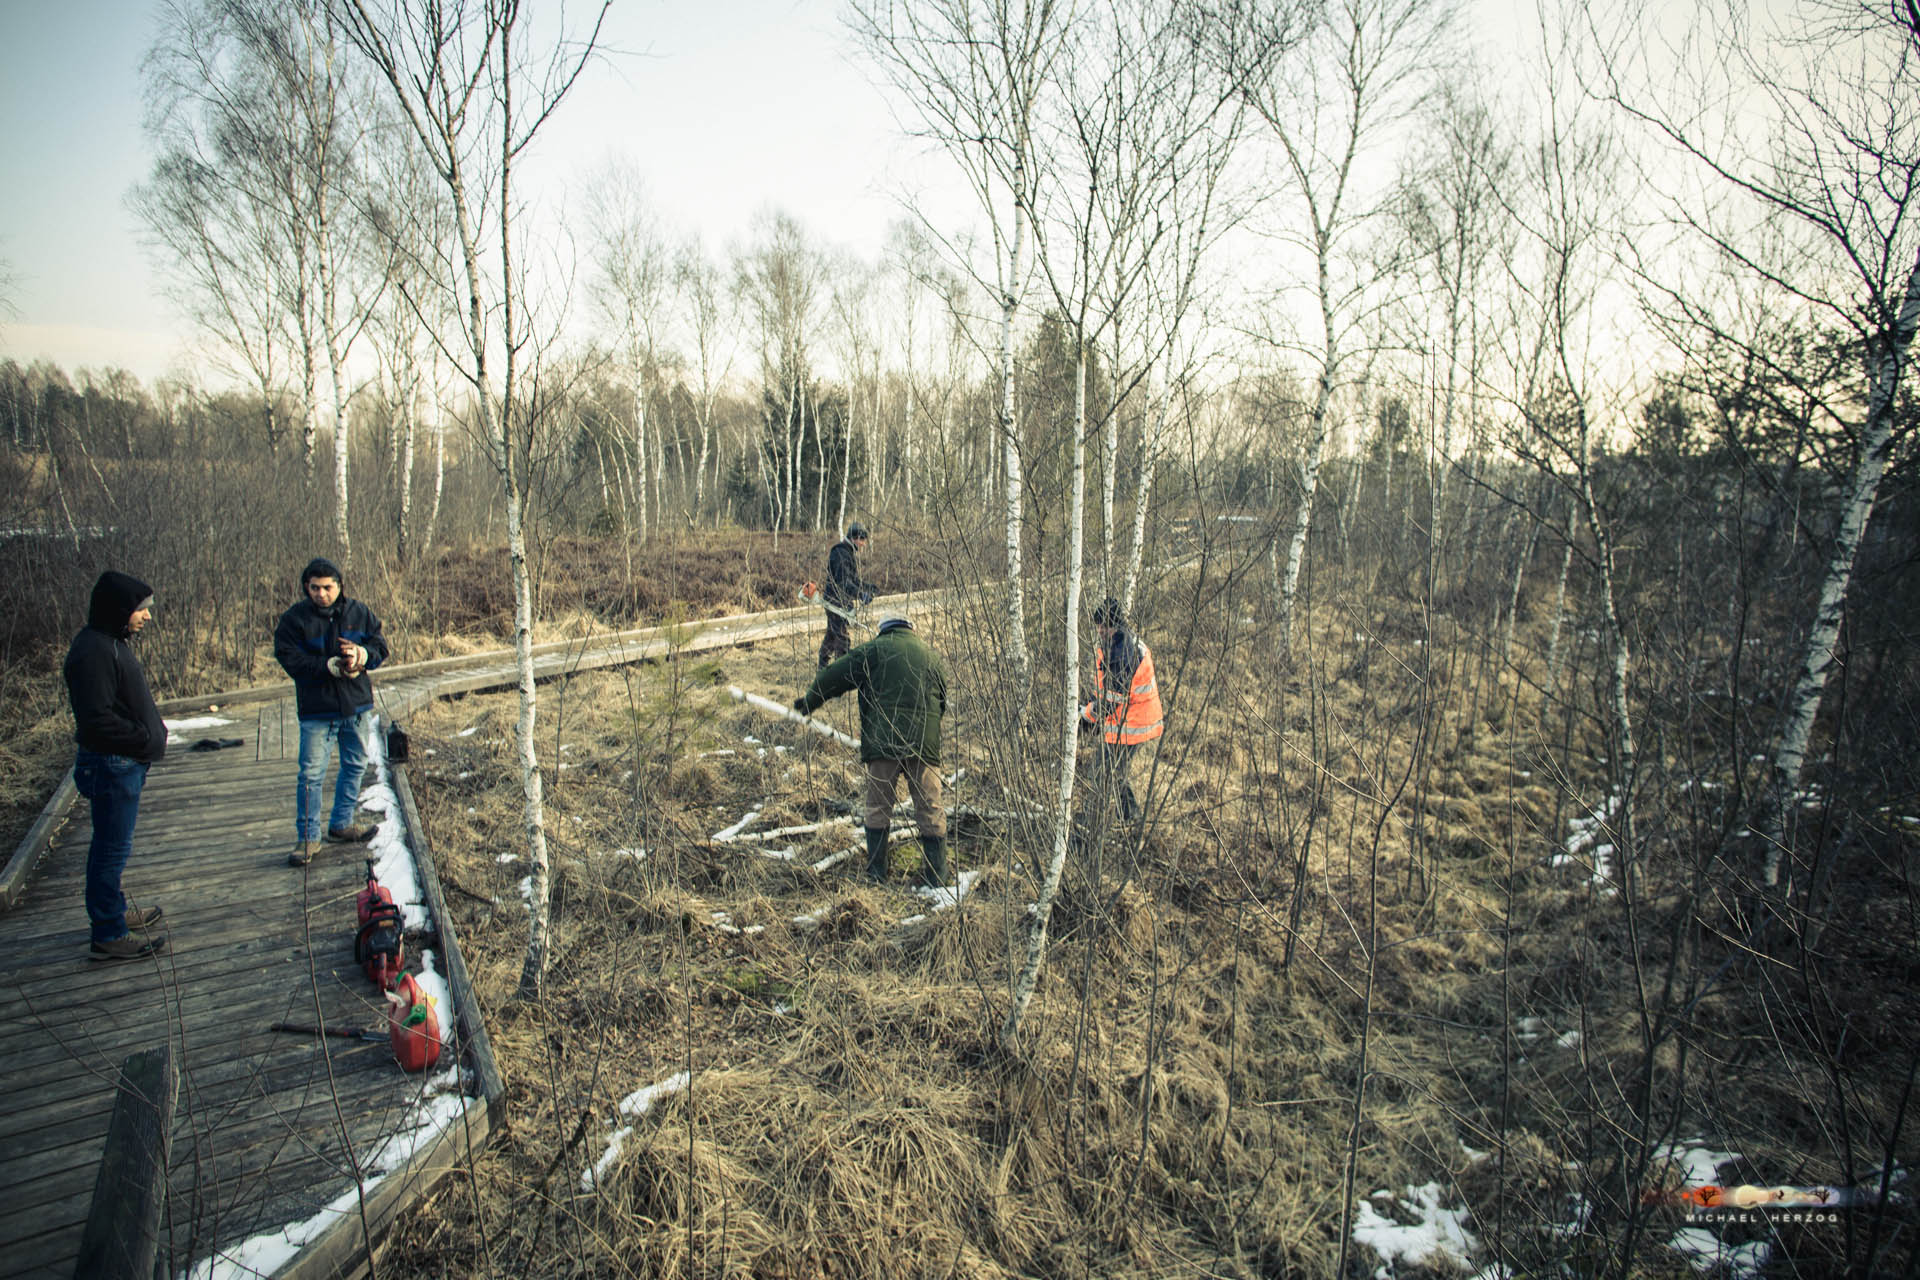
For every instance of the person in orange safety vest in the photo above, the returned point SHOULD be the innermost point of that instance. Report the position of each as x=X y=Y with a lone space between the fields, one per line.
x=1126 y=703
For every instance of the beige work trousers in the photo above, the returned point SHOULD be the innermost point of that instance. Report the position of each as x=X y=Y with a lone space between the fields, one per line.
x=923 y=784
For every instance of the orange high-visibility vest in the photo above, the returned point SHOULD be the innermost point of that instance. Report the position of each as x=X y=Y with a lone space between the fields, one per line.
x=1133 y=717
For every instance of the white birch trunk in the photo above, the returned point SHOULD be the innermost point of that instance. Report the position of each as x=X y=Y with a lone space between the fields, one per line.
x=1029 y=975
x=1016 y=646
x=1149 y=456
x=1554 y=634
x=846 y=465
x=1888 y=362
x=639 y=388
x=1310 y=469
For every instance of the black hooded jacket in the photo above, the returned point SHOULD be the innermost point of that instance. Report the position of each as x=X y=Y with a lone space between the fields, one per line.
x=113 y=710
x=843 y=587
x=307 y=636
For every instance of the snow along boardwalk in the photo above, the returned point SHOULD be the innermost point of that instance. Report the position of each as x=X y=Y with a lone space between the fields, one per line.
x=289 y=1152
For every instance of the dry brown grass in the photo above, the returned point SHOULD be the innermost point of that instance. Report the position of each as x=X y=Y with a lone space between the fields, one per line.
x=1361 y=855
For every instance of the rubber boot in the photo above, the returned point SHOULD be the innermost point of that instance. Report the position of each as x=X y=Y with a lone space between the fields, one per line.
x=876 y=853
x=1129 y=807
x=933 y=861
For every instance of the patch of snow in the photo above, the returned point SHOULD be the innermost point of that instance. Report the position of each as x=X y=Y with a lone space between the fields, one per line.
x=1528 y=1030
x=947 y=897
x=1569 y=1039
x=468 y=732
x=177 y=727
x=1437 y=1236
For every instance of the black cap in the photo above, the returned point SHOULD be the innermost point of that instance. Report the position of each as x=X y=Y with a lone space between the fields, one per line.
x=1107 y=614
x=320 y=567
x=856 y=530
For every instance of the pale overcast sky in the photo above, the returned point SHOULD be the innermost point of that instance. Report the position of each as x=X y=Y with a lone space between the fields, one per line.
x=724 y=107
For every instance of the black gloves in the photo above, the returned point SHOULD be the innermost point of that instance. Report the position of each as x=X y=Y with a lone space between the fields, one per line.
x=1086 y=725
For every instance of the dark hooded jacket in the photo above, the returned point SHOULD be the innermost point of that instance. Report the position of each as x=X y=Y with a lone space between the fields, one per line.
x=903 y=694
x=113 y=709
x=844 y=589
x=307 y=635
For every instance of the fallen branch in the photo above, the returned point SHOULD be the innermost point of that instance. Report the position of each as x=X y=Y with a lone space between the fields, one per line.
x=820 y=727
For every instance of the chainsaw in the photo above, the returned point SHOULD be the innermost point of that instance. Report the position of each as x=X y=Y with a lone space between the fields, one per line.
x=380 y=946
x=810 y=594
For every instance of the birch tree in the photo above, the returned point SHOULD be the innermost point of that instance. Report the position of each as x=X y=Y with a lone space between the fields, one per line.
x=1328 y=102
x=710 y=337
x=1808 y=186
x=475 y=96
x=975 y=72
x=633 y=273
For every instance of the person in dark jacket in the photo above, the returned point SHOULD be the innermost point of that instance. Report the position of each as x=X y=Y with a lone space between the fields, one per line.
x=328 y=643
x=903 y=696
x=843 y=591
x=118 y=735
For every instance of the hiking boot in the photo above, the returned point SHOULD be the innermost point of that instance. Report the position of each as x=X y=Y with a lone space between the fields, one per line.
x=351 y=835
x=933 y=862
x=128 y=947
x=143 y=917
x=303 y=853
x=876 y=854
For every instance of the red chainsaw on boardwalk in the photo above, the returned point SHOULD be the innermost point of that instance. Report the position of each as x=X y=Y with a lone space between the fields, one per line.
x=380 y=949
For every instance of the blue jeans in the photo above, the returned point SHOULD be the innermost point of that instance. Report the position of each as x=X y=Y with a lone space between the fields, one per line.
x=112 y=784
x=316 y=745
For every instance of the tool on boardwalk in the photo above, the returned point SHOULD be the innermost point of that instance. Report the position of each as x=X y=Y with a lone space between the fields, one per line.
x=301 y=1028
x=380 y=947
x=810 y=594
x=412 y=1026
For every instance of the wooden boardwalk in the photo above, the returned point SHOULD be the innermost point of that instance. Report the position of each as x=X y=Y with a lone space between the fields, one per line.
x=271 y=1127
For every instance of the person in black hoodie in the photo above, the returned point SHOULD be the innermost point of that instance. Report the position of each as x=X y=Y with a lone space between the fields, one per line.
x=843 y=591
x=118 y=736
x=328 y=643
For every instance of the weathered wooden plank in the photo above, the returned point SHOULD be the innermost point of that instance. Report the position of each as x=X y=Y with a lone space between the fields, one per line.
x=26 y=855
x=122 y=1230
x=308 y=1102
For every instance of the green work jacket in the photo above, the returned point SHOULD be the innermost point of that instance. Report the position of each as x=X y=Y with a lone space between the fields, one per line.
x=903 y=694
